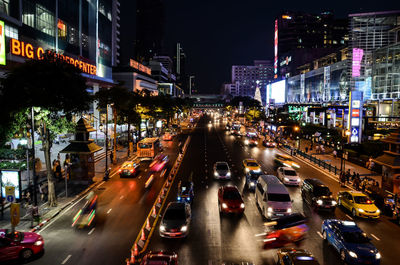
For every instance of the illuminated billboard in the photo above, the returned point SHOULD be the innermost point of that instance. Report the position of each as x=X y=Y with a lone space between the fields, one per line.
x=278 y=91
x=356 y=64
x=276 y=50
x=2 y=44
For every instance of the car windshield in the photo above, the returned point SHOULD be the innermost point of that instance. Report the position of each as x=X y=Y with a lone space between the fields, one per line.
x=252 y=164
x=290 y=173
x=126 y=166
x=16 y=236
x=222 y=167
x=175 y=214
x=278 y=197
x=232 y=195
x=362 y=200
x=355 y=237
x=322 y=191
x=255 y=176
x=145 y=146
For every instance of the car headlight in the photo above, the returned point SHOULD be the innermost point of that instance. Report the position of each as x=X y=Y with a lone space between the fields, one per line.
x=38 y=243
x=378 y=255
x=179 y=198
x=286 y=165
x=242 y=205
x=298 y=179
x=378 y=211
x=257 y=170
x=360 y=210
x=216 y=173
x=319 y=202
x=252 y=184
x=295 y=165
x=246 y=141
x=289 y=210
x=269 y=209
x=334 y=203
x=228 y=174
x=162 y=228
x=247 y=170
x=224 y=206
x=286 y=179
x=256 y=142
x=184 y=228
x=352 y=254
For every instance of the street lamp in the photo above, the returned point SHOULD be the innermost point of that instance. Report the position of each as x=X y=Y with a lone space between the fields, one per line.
x=342 y=161
x=297 y=129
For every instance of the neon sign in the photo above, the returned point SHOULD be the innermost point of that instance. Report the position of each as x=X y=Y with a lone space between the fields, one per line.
x=2 y=44
x=139 y=66
x=276 y=50
x=27 y=50
x=357 y=58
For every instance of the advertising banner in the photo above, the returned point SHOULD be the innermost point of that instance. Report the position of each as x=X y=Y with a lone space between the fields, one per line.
x=2 y=44
x=11 y=178
x=355 y=116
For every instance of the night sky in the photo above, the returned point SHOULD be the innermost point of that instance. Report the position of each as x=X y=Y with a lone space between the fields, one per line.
x=216 y=34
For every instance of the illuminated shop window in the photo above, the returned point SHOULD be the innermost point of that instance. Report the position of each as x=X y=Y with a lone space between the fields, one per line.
x=11 y=32
x=44 y=20
x=62 y=29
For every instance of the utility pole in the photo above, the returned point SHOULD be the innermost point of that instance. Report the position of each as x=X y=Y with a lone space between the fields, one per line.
x=33 y=159
x=106 y=138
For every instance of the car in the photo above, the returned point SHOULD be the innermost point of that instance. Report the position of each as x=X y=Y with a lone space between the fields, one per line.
x=185 y=191
x=251 y=141
x=160 y=257
x=222 y=171
x=159 y=162
x=251 y=165
x=295 y=256
x=128 y=169
x=167 y=136
x=317 y=195
x=281 y=160
x=353 y=245
x=176 y=220
x=251 y=179
x=19 y=245
x=86 y=216
x=269 y=143
x=358 y=204
x=230 y=200
x=288 y=176
x=285 y=230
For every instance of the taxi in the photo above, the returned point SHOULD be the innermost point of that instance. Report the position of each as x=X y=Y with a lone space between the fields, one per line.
x=358 y=203
x=285 y=161
x=251 y=165
x=128 y=169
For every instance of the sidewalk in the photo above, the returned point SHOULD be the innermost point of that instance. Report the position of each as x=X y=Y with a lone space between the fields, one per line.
x=74 y=193
x=329 y=159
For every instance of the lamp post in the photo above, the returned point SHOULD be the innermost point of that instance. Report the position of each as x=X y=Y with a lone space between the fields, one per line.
x=342 y=161
x=297 y=130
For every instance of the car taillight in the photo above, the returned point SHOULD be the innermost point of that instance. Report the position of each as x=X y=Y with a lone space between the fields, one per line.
x=119 y=170
x=132 y=170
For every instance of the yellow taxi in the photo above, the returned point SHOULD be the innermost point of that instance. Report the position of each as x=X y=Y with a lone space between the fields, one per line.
x=358 y=203
x=251 y=165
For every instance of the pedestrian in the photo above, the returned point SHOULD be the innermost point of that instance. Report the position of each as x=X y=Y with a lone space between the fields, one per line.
x=353 y=177
x=348 y=174
x=112 y=157
x=306 y=149
x=364 y=184
x=342 y=179
x=317 y=149
x=322 y=149
x=58 y=170
x=356 y=183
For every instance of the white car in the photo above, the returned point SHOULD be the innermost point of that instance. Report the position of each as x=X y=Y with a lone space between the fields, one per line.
x=222 y=170
x=288 y=176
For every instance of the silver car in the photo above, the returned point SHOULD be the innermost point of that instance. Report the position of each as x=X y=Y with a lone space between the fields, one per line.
x=176 y=220
x=222 y=171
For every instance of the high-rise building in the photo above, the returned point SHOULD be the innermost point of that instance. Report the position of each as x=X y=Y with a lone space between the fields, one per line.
x=127 y=27
x=301 y=37
x=115 y=33
x=180 y=68
x=245 y=78
x=149 y=40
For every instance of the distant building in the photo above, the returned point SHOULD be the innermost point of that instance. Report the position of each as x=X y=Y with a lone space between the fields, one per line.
x=245 y=77
x=301 y=37
x=180 y=68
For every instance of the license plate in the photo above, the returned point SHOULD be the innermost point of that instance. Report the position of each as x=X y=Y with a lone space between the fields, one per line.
x=279 y=214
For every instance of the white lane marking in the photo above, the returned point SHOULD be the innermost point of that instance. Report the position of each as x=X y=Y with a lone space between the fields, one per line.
x=122 y=196
x=320 y=235
x=348 y=216
x=374 y=236
x=66 y=259
x=91 y=231
x=69 y=208
x=109 y=211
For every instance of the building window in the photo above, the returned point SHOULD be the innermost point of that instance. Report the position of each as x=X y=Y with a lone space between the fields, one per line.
x=4 y=6
x=62 y=29
x=85 y=41
x=28 y=13
x=44 y=20
x=73 y=36
x=11 y=32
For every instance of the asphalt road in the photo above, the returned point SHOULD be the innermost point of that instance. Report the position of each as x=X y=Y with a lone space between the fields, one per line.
x=214 y=239
x=123 y=204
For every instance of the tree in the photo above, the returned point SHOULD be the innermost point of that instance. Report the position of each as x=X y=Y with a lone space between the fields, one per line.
x=55 y=89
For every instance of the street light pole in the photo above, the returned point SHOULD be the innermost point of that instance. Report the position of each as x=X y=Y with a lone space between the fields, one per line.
x=106 y=138
x=33 y=159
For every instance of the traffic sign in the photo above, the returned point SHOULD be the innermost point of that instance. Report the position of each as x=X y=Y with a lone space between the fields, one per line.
x=10 y=193
x=15 y=215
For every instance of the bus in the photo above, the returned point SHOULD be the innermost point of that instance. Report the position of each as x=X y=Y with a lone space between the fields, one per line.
x=148 y=148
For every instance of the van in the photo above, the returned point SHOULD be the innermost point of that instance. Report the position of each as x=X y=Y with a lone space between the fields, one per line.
x=272 y=197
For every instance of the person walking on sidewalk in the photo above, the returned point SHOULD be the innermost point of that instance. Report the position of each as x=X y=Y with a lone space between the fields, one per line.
x=334 y=154
x=348 y=174
x=112 y=157
x=342 y=179
x=306 y=149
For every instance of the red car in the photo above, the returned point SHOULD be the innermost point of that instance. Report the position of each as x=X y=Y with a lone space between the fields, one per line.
x=21 y=245
x=159 y=162
x=230 y=200
x=160 y=257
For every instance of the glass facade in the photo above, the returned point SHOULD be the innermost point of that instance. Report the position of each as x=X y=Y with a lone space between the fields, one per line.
x=386 y=73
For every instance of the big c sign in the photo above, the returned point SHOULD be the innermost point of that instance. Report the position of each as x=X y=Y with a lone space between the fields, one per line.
x=27 y=50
